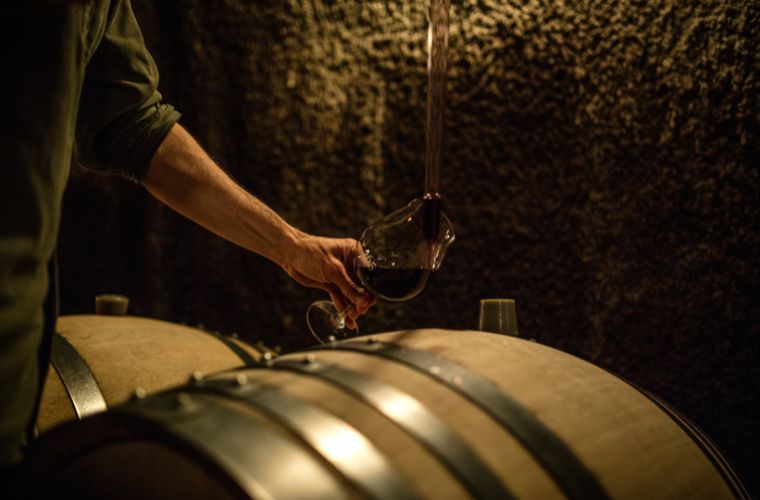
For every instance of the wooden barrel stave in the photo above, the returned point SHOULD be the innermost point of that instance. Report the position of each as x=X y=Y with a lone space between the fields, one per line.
x=611 y=421
x=127 y=352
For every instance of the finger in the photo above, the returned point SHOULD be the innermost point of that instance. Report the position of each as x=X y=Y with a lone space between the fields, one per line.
x=361 y=310
x=354 y=255
x=331 y=289
x=341 y=303
x=357 y=257
x=351 y=324
x=353 y=292
x=369 y=300
x=350 y=250
x=351 y=314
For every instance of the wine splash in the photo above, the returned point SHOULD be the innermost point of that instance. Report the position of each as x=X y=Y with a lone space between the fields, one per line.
x=438 y=48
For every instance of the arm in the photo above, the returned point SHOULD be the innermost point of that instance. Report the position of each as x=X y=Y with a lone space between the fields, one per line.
x=186 y=179
x=124 y=127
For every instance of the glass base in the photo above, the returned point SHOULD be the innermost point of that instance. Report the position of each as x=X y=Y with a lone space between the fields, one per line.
x=326 y=323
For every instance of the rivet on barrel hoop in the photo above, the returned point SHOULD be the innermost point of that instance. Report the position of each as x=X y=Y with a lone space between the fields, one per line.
x=196 y=378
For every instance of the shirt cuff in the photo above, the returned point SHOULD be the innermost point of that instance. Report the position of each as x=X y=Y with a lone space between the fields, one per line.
x=139 y=147
x=127 y=146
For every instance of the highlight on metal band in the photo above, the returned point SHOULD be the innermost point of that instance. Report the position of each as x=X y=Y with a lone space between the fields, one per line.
x=338 y=443
x=559 y=461
x=77 y=378
x=413 y=417
x=250 y=452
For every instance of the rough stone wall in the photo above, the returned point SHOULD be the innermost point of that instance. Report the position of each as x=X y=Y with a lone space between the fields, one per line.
x=601 y=167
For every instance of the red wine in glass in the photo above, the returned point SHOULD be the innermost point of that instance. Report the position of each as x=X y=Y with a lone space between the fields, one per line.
x=394 y=284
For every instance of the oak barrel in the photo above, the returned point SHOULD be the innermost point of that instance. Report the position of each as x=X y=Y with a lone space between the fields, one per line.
x=99 y=361
x=413 y=414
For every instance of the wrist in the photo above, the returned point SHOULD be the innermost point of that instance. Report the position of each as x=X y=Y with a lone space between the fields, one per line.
x=290 y=246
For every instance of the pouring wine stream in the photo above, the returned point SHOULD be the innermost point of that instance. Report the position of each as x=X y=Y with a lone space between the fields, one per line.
x=438 y=48
x=403 y=248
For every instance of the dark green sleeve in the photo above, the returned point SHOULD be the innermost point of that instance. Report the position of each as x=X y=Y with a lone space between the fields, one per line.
x=122 y=120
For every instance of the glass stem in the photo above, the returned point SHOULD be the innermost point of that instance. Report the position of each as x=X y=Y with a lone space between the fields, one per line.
x=340 y=318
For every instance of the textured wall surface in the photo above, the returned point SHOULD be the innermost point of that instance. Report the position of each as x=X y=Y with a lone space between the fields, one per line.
x=600 y=165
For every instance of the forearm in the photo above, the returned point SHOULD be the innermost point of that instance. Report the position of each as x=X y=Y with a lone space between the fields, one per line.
x=186 y=179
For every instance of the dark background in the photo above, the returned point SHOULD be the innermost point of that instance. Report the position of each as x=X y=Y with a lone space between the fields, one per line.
x=601 y=167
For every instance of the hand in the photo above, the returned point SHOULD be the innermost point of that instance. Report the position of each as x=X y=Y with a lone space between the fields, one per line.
x=319 y=262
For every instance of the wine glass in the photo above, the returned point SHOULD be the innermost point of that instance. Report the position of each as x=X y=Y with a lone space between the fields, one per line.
x=401 y=250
